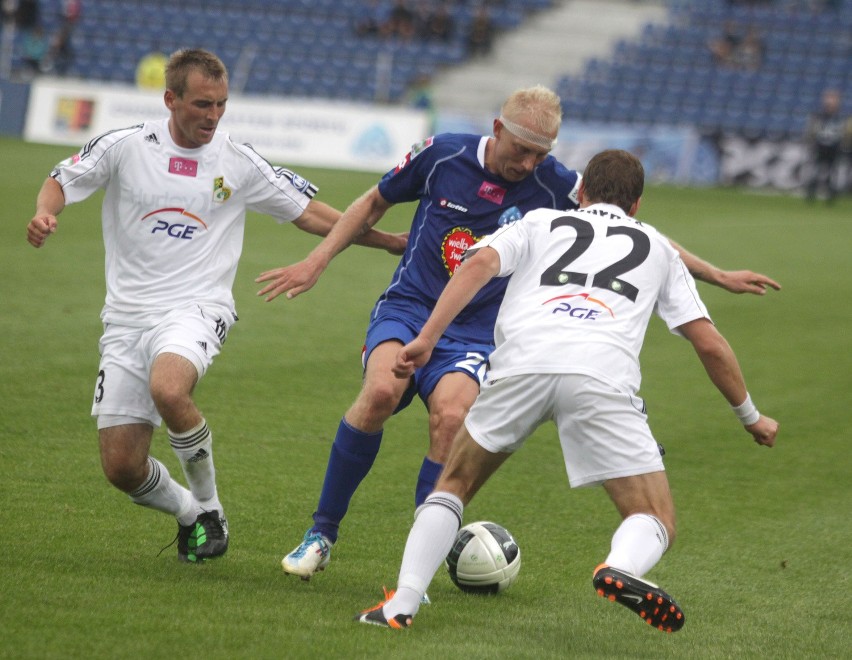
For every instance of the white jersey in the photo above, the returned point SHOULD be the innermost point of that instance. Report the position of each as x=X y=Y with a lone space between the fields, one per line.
x=173 y=218
x=584 y=284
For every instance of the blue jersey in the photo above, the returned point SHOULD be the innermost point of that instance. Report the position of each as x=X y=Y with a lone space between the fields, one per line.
x=459 y=202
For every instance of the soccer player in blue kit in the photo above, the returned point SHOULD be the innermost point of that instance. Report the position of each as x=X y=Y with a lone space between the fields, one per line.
x=466 y=187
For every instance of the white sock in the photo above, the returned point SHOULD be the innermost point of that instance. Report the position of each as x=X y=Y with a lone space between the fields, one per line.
x=638 y=544
x=195 y=451
x=436 y=523
x=162 y=493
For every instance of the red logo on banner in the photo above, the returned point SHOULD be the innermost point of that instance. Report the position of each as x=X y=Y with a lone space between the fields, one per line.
x=492 y=192
x=183 y=166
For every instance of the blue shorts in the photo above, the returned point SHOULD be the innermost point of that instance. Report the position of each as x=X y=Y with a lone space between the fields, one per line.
x=449 y=356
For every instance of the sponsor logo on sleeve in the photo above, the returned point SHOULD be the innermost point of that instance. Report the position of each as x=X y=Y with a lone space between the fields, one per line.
x=299 y=183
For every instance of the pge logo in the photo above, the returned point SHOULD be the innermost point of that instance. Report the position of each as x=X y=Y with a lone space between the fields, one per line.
x=577 y=309
x=175 y=229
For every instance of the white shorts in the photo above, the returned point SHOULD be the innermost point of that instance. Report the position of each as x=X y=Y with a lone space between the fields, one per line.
x=604 y=433
x=122 y=390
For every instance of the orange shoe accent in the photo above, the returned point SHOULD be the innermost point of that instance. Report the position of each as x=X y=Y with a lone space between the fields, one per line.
x=652 y=604
x=388 y=596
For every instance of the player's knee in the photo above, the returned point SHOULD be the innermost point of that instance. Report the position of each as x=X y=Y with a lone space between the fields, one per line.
x=125 y=473
x=379 y=401
x=169 y=397
x=446 y=420
x=443 y=427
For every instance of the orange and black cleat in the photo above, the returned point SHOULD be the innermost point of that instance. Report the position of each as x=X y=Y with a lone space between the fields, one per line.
x=654 y=605
x=376 y=616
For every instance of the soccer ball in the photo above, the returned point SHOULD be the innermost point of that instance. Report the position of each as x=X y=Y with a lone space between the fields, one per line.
x=484 y=559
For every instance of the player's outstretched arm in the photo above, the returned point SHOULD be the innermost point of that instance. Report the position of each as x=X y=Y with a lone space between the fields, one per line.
x=319 y=219
x=473 y=274
x=724 y=370
x=353 y=224
x=49 y=204
x=735 y=281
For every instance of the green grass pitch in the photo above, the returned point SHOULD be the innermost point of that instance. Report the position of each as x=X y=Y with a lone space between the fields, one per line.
x=761 y=566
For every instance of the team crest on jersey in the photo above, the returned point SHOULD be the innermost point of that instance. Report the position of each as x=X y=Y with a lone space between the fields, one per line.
x=509 y=216
x=453 y=247
x=221 y=192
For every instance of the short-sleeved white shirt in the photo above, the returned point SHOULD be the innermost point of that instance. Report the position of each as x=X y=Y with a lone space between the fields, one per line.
x=584 y=284
x=173 y=218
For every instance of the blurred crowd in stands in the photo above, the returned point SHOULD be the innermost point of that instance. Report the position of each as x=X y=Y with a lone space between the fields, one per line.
x=42 y=52
x=407 y=20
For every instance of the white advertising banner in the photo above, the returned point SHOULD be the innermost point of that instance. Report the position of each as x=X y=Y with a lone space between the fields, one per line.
x=284 y=131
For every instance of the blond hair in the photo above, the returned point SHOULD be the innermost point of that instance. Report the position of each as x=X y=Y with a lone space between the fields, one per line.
x=537 y=107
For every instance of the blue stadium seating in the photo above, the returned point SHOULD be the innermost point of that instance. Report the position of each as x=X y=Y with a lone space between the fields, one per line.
x=311 y=37
x=806 y=51
x=664 y=76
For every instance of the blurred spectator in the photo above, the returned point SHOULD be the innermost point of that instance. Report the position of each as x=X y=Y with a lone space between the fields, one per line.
x=400 y=22
x=34 y=50
x=374 y=17
x=737 y=49
x=27 y=15
x=440 y=25
x=71 y=10
x=151 y=71
x=480 y=36
x=723 y=47
x=420 y=96
x=828 y=132
x=749 y=54
x=61 y=52
x=8 y=9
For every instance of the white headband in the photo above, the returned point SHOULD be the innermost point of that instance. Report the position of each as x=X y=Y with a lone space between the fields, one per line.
x=526 y=134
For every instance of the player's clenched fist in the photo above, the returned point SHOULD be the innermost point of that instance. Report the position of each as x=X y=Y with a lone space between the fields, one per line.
x=40 y=228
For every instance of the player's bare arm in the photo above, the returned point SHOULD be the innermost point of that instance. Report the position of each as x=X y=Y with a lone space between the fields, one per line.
x=49 y=204
x=722 y=366
x=735 y=281
x=319 y=218
x=340 y=232
x=468 y=279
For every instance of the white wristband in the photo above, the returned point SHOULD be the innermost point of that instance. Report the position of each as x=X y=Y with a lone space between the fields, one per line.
x=746 y=412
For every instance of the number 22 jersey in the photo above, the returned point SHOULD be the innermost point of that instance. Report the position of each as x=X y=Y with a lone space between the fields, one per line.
x=582 y=289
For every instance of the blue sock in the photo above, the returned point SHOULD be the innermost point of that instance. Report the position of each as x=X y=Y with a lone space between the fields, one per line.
x=429 y=473
x=352 y=455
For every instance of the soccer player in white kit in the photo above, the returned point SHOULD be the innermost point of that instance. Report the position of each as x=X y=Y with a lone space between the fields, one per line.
x=568 y=335
x=176 y=195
